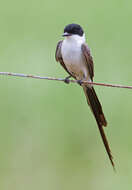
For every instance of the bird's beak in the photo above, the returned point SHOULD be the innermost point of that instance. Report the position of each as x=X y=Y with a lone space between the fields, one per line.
x=66 y=34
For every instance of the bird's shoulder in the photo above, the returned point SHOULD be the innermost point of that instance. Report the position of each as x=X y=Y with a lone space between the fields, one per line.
x=58 y=54
x=88 y=58
x=86 y=49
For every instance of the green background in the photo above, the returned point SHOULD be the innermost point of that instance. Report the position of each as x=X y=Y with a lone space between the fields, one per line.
x=48 y=137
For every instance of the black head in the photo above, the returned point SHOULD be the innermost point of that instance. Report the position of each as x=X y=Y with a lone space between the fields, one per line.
x=71 y=29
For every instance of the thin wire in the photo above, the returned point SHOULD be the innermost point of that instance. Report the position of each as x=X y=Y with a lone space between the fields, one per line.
x=63 y=80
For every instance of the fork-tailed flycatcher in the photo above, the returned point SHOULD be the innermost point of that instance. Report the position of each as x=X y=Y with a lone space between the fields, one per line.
x=75 y=57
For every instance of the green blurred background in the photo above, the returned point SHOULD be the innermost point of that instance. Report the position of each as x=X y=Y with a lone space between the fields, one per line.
x=48 y=136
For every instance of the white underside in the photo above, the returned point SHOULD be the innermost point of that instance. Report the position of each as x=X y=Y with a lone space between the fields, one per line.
x=73 y=58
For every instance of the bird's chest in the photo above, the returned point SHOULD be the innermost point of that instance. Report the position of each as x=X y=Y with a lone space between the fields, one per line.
x=73 y=58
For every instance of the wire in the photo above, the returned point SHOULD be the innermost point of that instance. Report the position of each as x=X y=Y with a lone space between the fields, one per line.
x=63 y=80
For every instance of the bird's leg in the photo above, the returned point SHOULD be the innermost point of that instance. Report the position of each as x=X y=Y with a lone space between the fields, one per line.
x=80 y=82
x=66 y=80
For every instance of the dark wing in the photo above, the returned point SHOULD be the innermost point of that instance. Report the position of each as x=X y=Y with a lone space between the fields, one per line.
x=89 y=59
x=94 y=102
x=58 y=56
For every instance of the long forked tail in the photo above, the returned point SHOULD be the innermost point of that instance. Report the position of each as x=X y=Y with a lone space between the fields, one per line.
x=96 y=108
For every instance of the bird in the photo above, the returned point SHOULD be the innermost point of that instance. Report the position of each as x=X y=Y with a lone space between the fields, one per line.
x=75 y=57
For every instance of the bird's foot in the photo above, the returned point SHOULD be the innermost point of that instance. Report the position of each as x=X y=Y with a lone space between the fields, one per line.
x=80 y=82
x=66 y=80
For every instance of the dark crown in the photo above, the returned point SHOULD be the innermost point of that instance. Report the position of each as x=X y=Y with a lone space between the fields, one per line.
x=74 y=29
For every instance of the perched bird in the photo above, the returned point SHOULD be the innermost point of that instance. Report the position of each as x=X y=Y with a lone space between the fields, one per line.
x=74 y=55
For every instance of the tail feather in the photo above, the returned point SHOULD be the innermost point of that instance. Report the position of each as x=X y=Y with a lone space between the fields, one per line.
x=96 y=108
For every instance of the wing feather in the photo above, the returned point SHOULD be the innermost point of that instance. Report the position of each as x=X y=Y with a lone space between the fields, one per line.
x=58 y=56
x=88 y=59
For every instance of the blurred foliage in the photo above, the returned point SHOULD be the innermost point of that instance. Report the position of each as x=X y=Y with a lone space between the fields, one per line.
x=48 y=136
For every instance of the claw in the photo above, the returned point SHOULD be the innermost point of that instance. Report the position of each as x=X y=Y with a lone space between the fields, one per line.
x=66 y=80
x=80 y=82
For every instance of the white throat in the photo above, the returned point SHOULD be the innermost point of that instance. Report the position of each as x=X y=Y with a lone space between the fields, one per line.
x=75 y=39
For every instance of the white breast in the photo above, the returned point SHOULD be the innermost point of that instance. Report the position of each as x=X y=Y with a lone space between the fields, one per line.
x=73 y=58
